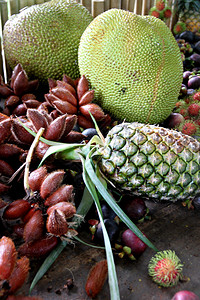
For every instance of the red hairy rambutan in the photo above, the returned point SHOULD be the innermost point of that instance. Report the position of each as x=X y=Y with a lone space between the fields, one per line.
x=189 y=128
x=160 y=4
x=165 y=268
x=196 y=96
x=167 y=12
x=194 y=109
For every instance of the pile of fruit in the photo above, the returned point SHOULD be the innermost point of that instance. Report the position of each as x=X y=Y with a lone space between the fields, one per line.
x=67 y=151
x=161 y=10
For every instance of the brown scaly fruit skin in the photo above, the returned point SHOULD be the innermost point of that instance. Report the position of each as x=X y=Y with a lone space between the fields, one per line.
x=75 y=97
x=19 y=93
x=47 y=211
x=13 y=270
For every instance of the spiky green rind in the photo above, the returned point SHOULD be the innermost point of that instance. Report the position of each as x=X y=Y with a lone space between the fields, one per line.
x=165 y=268
x=44 y=38
x=151 y=161
x=134 y=65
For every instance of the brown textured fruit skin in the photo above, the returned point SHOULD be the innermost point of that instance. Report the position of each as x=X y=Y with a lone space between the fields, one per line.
x=44 y=38
x=133 y=64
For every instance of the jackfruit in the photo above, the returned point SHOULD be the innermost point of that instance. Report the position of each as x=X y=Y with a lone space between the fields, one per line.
x=44 y=38
x=134 y=65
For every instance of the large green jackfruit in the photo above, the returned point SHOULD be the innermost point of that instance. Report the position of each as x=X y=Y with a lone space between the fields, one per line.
x=134 y=65
x=44 y=38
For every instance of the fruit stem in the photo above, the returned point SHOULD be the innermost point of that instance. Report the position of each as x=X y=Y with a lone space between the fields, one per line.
x=28 y=161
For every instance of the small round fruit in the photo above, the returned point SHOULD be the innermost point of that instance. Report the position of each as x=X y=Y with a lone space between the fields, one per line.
x=186 y=75
x=194 y=82
x=185 y=295
x=131 y=240
x=112 y=230
x=196 y=202
x=107 y=212
x=89 y=132
x=174 y=120
x=134 y=207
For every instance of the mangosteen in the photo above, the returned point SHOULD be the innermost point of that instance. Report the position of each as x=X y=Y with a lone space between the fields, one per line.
x=89 y=132
x=196 y=58
x=186 y=75
x=194 y=82
x=188 y=64
x=174 y=120
x=196 y=37
x=188 y=36
x=134 y=207
x=197 y=47
x=112 y=229
x=107 y=212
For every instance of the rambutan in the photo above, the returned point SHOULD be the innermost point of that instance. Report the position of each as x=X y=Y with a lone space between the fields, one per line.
x=160 y=5
x=187 y=100
x=155 y=13
x=183 y=111
x=189 y=127
x=196 y=96
x=197 y=122
x=193 y=109
x=167 y=12
x=178 y=104
x=165 y=268
x=179 y=27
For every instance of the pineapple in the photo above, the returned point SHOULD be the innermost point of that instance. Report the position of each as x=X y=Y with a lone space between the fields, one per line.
x=143 y=159
x=189 y=12
x=151 y=161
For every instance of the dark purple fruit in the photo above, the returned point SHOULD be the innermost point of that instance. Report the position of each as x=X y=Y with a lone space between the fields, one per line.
x=197 y=47
x=112 y=230
x=89 y=132
x=131 y=240
x=196 y=202
x=185 y=295
x=134 y=207
x=187 y=35
x=107 y=212
x=183 y=90
x=194 y=82
x=174 y=120
x=186 y=75
x=190 y=92
x=196 y=58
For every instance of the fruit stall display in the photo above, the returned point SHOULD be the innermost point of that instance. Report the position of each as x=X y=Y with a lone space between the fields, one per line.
x=100 y=151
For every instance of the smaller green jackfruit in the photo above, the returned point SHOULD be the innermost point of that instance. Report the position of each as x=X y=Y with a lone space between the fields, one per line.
x=44 y=38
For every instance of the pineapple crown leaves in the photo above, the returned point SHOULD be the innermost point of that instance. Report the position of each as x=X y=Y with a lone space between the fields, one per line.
x=182 y=5
x=165 y=268
x=94 y=186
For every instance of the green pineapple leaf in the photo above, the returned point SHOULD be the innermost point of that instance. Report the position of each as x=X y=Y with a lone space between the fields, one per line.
x=112 y=203
x=112 y=276
x=47 y=263
x=82 y=210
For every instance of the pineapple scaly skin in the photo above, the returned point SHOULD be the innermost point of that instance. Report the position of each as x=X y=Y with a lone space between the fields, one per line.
x=151 y=161
x=191 y=19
